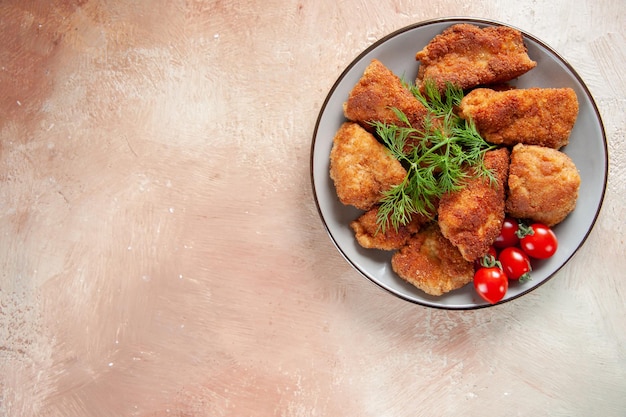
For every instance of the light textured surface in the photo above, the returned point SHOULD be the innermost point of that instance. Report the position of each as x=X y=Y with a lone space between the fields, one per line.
x=161 y=253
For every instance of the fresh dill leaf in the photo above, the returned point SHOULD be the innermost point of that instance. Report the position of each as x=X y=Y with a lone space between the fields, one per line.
x=395 y=138
x=439 y=157
x=436 y=103
x=414 y=89
x=396 y=207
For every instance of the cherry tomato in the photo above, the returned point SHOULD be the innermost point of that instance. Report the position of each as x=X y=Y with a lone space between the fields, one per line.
x=478 y=263
x=491 y=283
x=508 y=235
x=539 y=242
x=515 y=264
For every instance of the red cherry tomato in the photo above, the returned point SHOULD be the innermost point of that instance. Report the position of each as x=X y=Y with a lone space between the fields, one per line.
x=539 y=242
x=491 y=283
x=508 y=235
x=515 y=264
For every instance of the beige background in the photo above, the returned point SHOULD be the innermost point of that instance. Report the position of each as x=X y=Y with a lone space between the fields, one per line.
x=160 y=249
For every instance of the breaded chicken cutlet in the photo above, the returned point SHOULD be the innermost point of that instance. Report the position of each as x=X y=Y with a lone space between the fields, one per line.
x=469 y=56
x=361 y=167
x=369 y=235
x=376 y=93
x=471 y=218
x=543 y=184
x=431 y=263
x=533 y=116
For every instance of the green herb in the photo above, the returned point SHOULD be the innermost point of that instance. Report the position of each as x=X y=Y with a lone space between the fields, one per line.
x=437 y=157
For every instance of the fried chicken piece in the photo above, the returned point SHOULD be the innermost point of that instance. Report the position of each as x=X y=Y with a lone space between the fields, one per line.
x=533 y=116
x=369 y=236
x=543 y=184
x=468 y=56
x=376 y=93
x=471 y=218
x=361 y=167
x=431 y=263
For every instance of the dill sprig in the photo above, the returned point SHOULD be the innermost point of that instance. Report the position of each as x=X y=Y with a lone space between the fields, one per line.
x=438 y=157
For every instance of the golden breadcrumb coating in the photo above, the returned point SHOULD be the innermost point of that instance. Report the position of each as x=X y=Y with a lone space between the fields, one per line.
x=361 y=167
x=431 y=263
x=369 y=236
x=543 y=184
x=469 y=56
x=379 y=90
x=471 y=218
x=533 y=116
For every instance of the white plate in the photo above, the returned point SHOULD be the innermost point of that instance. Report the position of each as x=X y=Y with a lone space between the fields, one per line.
x=587 y=148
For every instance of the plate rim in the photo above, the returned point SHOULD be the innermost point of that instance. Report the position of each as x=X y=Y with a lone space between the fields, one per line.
x=458 y=19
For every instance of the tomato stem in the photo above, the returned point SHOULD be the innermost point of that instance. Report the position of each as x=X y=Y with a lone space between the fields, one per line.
x=525 y=278
x=489 y=261
x=524 y=230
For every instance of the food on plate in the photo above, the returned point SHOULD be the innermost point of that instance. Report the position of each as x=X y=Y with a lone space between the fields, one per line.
x=375 y=95
x=439 y=157
x=515 y=263
x=491 y=282
x=444 y=170
x=471 y=217
x=361 y=167
x=431 y=263
x=533 y=116
x=538 y=241
x=367 y=231
x=508 y=234
x=518 y=245
x=543 y=184
x=469 y=56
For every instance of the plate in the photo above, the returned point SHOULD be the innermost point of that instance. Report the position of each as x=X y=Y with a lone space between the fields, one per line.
x=587 y=148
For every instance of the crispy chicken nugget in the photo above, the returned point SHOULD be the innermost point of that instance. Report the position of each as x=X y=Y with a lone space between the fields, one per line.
x=376 y=93
x=361 y=167
x=468 y=56
x=471 y=218
x=431 y=263
x=543 y=184
x=533 y=116
x=369 y=236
